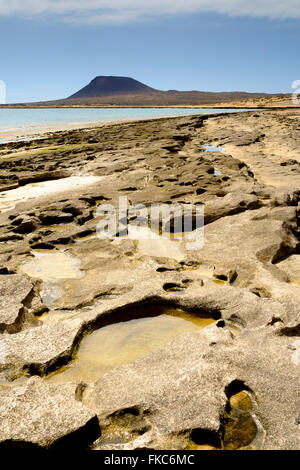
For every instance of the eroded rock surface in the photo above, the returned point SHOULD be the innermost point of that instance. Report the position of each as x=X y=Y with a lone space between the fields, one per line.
x=59 y=282
x=19 y=302
x=51 y=416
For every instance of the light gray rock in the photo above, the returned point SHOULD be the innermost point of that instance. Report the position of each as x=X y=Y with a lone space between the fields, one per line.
x=171 y=399
x=43 y=414
x=231 y=204
x=175 y=402
x=18 y=298
x=38 y=349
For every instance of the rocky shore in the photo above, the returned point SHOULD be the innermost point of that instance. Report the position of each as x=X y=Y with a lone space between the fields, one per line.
x=232 y=384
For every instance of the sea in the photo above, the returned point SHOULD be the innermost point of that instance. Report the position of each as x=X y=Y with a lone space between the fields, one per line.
x=16 y=123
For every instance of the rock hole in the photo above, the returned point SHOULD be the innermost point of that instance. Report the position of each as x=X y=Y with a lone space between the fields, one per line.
x=206 y=437
x=235 y=387
x=80 y=390
x=237 y=320
x=163 y=270
x=122 y=426
x=290 y=331
x=173 y=287
x=134 y=411
x=80 y=439
x=241 y=427
x=200 y=191
x=274 y=321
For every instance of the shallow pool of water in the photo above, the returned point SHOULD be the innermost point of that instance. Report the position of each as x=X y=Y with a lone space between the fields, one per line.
x=125 y=341
x=164 y=244
x=151 y=243
x=52 y=265
x=211 y=148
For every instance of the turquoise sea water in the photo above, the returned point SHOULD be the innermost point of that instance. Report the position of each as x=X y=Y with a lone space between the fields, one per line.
x=11 y=119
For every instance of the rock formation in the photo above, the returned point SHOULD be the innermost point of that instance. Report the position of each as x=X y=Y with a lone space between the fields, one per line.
x=232 y=384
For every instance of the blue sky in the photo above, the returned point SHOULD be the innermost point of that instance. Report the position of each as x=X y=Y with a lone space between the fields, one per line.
x=51 y=48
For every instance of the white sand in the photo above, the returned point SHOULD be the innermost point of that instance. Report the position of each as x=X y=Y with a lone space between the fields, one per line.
x=9 y=199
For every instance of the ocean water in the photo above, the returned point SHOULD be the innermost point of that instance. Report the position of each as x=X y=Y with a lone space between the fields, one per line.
x=18 y=118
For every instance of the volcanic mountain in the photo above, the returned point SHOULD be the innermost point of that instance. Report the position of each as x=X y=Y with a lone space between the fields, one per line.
x=111 y=91
x=125 y=91
x=108 y=86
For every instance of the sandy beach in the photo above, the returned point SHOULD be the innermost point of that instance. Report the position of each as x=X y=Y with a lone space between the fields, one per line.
x=38 y=132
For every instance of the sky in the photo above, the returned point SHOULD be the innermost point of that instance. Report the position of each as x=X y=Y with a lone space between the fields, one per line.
x=52 y=48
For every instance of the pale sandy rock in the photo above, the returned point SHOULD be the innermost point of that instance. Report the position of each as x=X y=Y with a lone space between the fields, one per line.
x=45 y=415
x=18 y=299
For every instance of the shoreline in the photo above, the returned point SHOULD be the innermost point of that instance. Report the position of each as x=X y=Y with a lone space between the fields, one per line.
x=250 y=106
x=23 y=134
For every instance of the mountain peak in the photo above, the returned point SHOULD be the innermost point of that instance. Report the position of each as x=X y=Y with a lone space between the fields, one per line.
x=112 y=85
